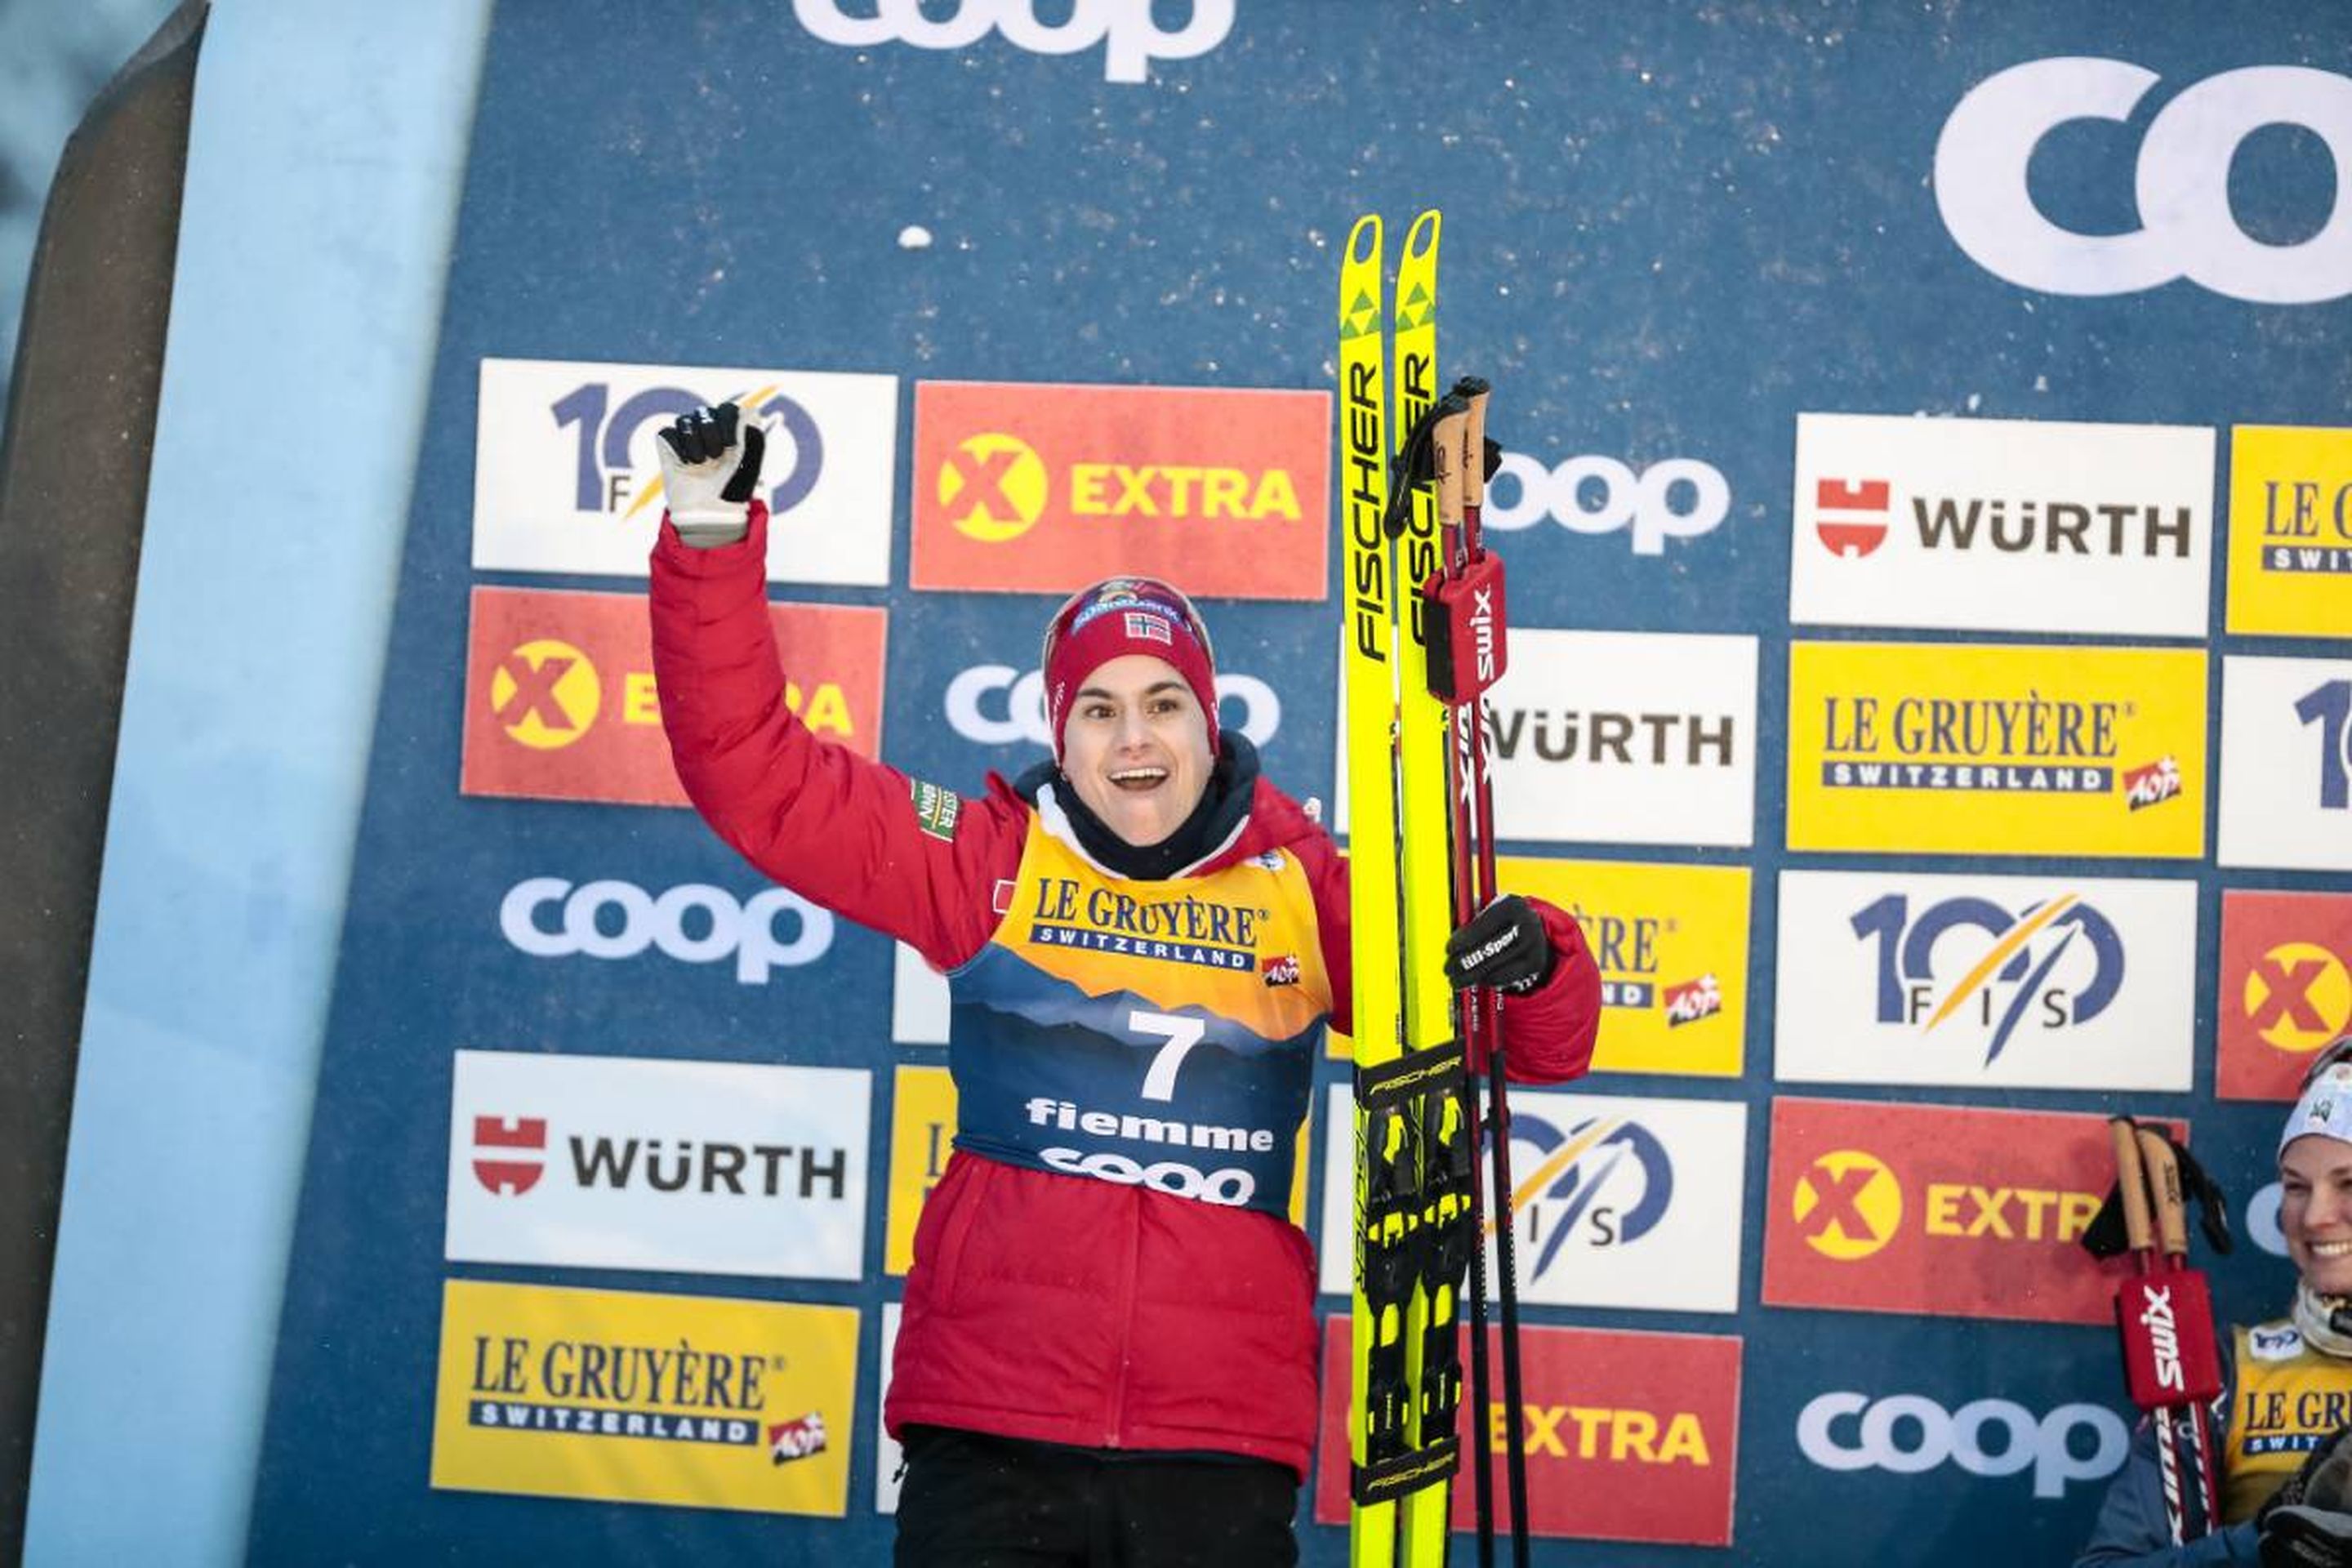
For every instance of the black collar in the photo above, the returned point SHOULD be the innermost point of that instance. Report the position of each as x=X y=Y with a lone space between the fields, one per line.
x=1233 y=780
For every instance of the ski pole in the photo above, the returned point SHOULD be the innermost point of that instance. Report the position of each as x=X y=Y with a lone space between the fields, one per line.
x=2192 y=1321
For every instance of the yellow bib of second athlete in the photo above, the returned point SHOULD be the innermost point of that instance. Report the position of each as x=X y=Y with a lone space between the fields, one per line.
x=2289 y=1399
x=1161 y=1034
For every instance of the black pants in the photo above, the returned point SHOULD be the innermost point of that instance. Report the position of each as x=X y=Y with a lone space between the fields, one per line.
x=974 y=1501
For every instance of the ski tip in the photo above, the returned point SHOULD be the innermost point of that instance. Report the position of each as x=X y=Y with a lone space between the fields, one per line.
x=1422 y=239
x=1364 y=239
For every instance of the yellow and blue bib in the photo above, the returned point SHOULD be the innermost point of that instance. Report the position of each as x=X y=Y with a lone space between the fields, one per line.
x=1157 y=1034
x=2287 y=1400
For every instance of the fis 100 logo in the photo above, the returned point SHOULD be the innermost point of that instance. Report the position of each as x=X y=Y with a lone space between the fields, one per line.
x=2017 y=976
x=614 y=444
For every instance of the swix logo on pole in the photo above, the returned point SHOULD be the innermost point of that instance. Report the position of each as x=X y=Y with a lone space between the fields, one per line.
x=2155 y=1317
x=1041 y=487
x=1128 y=30
x=2187 y=225
x=2286 y=988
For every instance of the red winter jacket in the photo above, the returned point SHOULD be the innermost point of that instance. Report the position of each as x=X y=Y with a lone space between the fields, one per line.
x=1042 y=1306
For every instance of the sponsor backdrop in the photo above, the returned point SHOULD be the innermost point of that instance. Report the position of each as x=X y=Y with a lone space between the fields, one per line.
x=1931 y=687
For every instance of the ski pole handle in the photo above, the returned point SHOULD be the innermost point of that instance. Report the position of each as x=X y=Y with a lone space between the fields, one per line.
x=1446 y=444
x=1473 y=449
x=2164 y=1190
x=2131 y=1182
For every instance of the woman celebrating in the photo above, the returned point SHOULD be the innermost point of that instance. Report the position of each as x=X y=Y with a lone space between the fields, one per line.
x=2286 y=1414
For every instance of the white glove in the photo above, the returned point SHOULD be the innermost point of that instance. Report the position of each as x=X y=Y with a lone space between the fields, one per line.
x=710 y=465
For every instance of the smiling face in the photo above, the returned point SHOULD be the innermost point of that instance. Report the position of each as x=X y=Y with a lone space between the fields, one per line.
x=1136 y=747
x=2315 y=1211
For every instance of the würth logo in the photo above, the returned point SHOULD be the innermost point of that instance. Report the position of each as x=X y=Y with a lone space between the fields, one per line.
x=1850 y=515
x=505 y=1174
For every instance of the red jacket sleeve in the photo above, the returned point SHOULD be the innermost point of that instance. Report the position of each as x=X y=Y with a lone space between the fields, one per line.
x=835 y=827
x=1548 y=1035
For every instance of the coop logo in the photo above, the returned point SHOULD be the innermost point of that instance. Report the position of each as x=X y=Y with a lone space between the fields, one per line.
x=992 y=488
x=2016 y=980
x=1847 y=1205
x=1850 y=519
x=1681 y=498
x=501 y=1145
x=1601 y=737
x=1849 y=516
x=2327 y=708
x=1604 y=1181
x=548 y=917
x=613 y=467
x=2186 y=226
x=1910 y=1434
x=1036 y=488
x=1128 y=31
x=997 y=705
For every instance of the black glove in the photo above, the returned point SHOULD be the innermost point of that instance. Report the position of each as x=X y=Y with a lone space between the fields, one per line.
x=1504 y=946
x=710 y=465
x=2298 y=1523
x=2299 y=1536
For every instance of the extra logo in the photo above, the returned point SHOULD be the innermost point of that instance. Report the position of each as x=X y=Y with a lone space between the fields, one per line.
x=997 y=705
x=560 y=702
x=725 y=1403
x=549 y=917
x=1128 y=30
x=2289 y=531
x=1996 y=750
x=2187 y=225
x=568 y=476
x=1847 y=1205
x=1891 y=1207
x=1629 y=1437
x=2286 y=988
x=636 y=1163
x=1039 y=489
x=2286 y=727
x=1914 y=979
x=1910 y=1434
x=2001 y=525
x=1681 y=498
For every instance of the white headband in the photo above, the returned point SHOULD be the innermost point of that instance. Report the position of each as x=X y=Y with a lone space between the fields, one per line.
x=2325 y=1107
